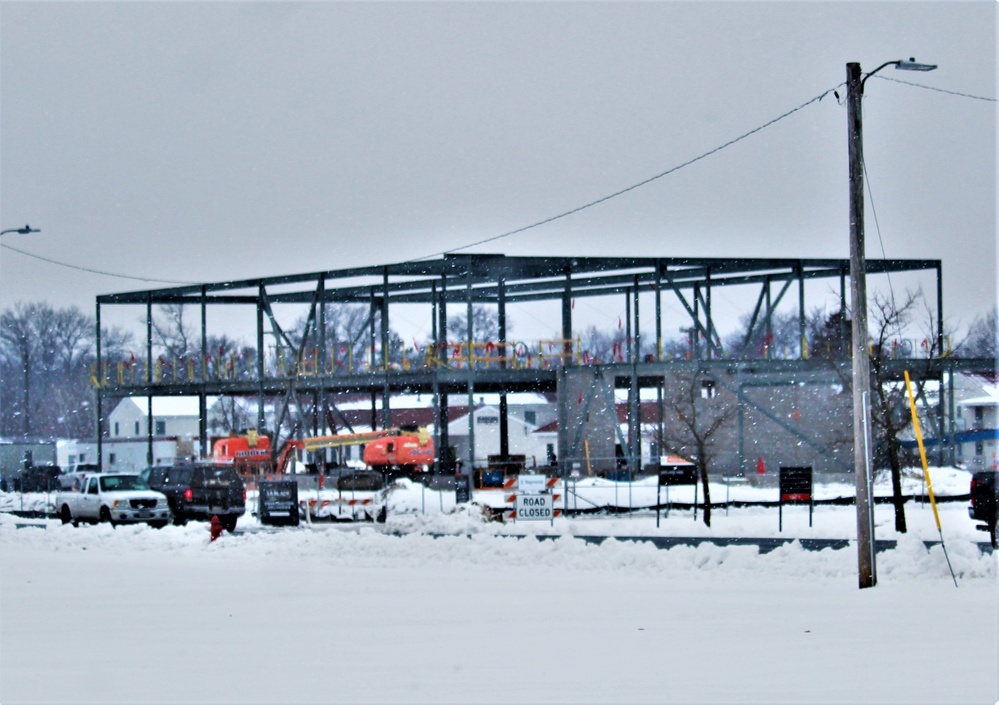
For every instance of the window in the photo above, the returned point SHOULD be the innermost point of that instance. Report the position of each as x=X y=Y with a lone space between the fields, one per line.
x=117 y=432
x=486 y=419
x=136 y=428
x=708 y=389
x=161 y=428
x=111 y=458
x=979 y=416
x=531 y=417
x=979 y=447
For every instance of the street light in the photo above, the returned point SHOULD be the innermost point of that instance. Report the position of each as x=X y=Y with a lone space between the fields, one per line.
x=21 y=231
x=858 y=300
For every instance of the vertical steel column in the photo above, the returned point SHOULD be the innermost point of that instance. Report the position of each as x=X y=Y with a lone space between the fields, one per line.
x=636 y=404
x=444 y=411
x=372 y=307
x=710 y=328
x=567 y=318
x=940 y=354
x=659 y=320
x=386 y=393
x=802 y=344
x=768 y=322
x=952 y=445
x=471 y=384
x=149 y=378
x=324 y=355
x=504 y=411
x=260 y=358
x=697 y=322
x=436 y=386
x=100 y=393
x=203 y=440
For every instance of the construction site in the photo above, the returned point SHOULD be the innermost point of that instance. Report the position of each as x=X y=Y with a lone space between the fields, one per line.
x=793 y=411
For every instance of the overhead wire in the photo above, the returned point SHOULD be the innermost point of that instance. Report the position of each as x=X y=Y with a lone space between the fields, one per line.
x=627 y=189
x=938 y=90
x=550 y=219
x=95 y=271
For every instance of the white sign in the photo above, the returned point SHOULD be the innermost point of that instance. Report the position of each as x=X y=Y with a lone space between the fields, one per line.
x=535 y=507
x=531 y=484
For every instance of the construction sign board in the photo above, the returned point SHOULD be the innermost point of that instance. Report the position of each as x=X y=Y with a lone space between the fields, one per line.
x=531 y=484
x=535 y=507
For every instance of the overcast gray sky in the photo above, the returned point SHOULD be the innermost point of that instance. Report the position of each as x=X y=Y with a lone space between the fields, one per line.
x=212 y=141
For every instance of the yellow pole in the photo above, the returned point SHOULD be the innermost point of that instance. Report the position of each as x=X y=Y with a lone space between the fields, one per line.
x=922 y=449
x=926 y=470
x=586 y=447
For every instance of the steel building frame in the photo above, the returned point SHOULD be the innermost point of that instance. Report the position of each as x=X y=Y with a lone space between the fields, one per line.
x=459 y=279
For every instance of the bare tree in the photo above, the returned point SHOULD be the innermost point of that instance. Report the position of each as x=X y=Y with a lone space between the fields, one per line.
x=46 y=356
x=485 y=325
x=701 y=410
x=981 y=340
x=171 y=333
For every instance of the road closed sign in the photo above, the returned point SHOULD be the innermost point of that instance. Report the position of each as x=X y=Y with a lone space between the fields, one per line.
x=535 y=507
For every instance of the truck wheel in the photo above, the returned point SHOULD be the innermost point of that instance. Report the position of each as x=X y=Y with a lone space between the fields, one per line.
x=106 y=516
x=179 y=520
x=229 y=522
x=158 y=524
x=67 y=516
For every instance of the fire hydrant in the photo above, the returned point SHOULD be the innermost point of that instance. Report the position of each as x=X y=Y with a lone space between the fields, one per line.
x=216 y=527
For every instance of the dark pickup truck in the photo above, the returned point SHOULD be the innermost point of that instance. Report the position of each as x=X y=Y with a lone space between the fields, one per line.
x=200 y=491
x=985 y=501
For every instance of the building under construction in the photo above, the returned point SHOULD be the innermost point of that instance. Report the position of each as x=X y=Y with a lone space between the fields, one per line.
x=789 y=411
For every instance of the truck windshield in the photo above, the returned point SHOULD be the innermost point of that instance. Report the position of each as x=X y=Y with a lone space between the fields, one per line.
x=113 y=483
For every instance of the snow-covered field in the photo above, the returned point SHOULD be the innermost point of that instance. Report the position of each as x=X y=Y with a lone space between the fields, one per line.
x=367 y=613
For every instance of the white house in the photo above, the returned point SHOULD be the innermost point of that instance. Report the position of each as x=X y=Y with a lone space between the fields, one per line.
x=70 y=453
x=978 y=410
x=172 y=416
x=524 y=438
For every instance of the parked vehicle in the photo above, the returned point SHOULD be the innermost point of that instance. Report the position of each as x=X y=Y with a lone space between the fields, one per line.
x=37 y=478
x=113 y=498
x=199 y=492
x=985 y=501
x=75 y=474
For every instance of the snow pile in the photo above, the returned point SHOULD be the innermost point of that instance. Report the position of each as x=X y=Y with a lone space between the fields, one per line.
x=487 y=548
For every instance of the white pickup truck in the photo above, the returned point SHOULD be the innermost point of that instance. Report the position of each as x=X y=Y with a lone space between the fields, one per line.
x=113 y=498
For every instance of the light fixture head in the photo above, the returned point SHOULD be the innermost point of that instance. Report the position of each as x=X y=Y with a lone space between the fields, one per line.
x=913 y=65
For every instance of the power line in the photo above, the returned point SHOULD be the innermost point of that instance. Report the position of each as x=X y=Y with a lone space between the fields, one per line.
x=938 y=90
x=633 y=186
x=94 y=271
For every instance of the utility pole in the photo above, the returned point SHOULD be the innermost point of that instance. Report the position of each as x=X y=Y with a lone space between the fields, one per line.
x=858 y=301
x=861 y=363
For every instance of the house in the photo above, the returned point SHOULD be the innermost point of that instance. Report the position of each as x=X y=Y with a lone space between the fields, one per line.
x=172 y=416
x=71 y=452
x=977 y=402
x=535 y=444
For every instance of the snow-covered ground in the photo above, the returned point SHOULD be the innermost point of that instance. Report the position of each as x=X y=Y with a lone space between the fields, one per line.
x=369 y=613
